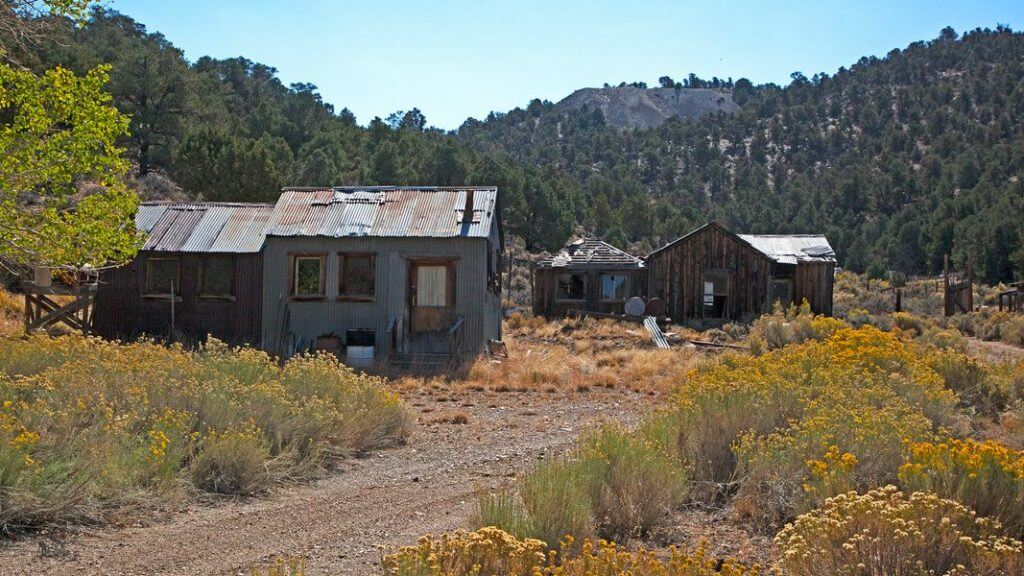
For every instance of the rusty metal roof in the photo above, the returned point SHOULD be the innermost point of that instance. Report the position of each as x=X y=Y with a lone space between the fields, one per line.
x=792 y=248
x=590 y=253
x=203 y=226
x=389 y=211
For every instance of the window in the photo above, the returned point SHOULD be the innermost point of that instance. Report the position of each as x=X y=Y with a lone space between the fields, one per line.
x=308 y=276
x=615 y=286
x=571 y=287
x=432 y=285
x=358 y=275
x=163 y=277
x=716 y=293
x=217 y=277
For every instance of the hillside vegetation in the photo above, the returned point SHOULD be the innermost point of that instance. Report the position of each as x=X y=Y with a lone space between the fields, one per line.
x=900 y=160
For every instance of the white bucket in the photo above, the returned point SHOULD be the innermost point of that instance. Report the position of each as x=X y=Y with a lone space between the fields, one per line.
x=359 y=356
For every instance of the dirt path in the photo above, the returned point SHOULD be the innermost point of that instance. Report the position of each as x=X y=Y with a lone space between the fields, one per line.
x=390 y=498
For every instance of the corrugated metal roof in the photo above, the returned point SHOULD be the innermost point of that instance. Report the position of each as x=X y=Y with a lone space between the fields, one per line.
x=388 y=211
x=590 y=253
x=203 y=226
x=792 y=248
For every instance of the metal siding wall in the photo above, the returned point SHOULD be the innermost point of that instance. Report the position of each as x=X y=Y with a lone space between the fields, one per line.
x=310 y=319
x=122 y=312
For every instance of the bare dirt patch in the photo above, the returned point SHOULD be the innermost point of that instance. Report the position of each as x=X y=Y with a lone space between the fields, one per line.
x=466 y=440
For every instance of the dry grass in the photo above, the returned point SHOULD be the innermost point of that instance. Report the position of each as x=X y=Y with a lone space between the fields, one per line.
x=572 y=355
x=12 y=310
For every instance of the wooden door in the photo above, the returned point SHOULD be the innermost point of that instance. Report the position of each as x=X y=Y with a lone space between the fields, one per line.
x=431 y=295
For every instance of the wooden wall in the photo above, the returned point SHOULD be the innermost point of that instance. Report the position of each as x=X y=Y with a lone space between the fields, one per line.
x=123 y=312
x=676 y=275
x=813 y=283
x=545 y=284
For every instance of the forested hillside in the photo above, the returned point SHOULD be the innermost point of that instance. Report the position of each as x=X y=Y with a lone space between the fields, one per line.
x=900 y=160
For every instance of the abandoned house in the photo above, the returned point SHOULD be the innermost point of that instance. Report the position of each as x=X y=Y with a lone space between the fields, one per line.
x=381 y=270
x=199 y=272
x=389 y=270
x=712 y=275
x=586 y=275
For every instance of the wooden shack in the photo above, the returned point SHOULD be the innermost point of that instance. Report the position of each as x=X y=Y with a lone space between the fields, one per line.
x=586 y=275
x=712 y=275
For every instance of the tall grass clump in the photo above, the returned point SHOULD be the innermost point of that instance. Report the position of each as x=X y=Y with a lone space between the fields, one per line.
x=616 y=483
x=88 y=426
x=493 y=552
x=754 y=427
x=886 y=532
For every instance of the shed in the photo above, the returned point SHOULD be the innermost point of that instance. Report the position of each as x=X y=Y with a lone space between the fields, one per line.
x=588 y=275
x=712 y=275
x=199 y=272
x=399 y=270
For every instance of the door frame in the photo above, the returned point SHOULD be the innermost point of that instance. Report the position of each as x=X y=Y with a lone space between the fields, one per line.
x=412 y=264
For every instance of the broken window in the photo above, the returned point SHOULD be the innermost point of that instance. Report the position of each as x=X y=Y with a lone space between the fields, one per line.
x=615 y=286
x=358 y=275
x=716 y=293
x=432 y=285
x=308 y=277
x=571 y=287
x=163 y=276
x=217 y=277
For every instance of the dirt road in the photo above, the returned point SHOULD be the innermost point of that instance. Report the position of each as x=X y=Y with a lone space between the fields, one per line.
x=337 y=524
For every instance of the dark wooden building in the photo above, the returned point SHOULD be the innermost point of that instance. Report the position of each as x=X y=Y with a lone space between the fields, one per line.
x=199 y=272
x=589 y=275
x=712 y=275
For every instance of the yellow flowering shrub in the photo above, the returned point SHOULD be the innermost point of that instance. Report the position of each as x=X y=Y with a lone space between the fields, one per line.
x=886 y=532
x=484 y=552
x=492 y=552
x=84 y=422
x=755 y=422
x=986 y=476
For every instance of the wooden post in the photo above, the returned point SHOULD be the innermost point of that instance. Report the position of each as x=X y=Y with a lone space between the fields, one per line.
x=899 y=299
x=970 y=283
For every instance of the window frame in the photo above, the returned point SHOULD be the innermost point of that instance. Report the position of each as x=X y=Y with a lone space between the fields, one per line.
x=294 y=275
x=203 y=294
x=147 y=272
x=586 y=282
x=627 y=284
x=727 y=295
x=343 y=261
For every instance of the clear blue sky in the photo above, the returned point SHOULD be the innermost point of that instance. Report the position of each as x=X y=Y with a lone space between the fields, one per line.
x=465 y=58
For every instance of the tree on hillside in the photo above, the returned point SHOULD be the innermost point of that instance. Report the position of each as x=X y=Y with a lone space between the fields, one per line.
x=62 y=197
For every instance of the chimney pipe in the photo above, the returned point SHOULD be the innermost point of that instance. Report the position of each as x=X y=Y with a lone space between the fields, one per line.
x=467 y=211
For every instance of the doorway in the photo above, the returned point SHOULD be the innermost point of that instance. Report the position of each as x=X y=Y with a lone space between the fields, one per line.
x=431 y=295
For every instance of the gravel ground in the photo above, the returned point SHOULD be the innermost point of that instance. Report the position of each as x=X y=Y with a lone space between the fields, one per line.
x=338 y=524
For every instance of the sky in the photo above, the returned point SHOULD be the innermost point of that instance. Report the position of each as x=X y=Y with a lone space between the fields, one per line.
x=463 y=58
